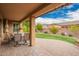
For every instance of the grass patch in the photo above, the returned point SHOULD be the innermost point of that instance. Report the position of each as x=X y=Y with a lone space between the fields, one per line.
x=56 y=37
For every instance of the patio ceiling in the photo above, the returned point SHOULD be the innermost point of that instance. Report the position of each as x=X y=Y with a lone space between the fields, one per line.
x=19 y=12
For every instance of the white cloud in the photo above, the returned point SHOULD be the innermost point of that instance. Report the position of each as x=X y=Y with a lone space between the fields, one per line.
x=43 y=20
x=74 y=17
x=49 y=20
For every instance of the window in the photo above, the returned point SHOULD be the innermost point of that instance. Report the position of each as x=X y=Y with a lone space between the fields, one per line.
x=15 y=27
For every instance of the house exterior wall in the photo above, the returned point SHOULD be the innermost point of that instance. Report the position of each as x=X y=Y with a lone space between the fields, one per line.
x=1 y=30
x=10 y=29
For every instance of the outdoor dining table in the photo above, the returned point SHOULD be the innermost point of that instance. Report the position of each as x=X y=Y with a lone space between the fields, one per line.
x=19 y=38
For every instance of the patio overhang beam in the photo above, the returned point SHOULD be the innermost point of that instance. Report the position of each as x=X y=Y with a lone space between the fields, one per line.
x=44 y=8
x=50 y=8
x=20 y=12
x=35 y=10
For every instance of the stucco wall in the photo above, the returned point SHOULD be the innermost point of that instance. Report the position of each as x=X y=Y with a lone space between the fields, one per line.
x=10 y=24
x=1 y=30
x=10 y=29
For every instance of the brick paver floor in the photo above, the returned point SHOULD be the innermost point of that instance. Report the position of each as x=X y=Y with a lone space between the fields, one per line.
x=42 y=48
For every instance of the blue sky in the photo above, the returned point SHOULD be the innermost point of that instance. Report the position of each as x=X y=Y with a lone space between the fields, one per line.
x=62 y=12
x=65 y=13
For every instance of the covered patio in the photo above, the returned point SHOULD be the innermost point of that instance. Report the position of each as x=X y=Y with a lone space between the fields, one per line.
x=11 y=14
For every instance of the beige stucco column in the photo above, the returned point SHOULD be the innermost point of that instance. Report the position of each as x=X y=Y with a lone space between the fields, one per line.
x=10 y=26
x=21 y=27
x=32 y=30
x=7 y=26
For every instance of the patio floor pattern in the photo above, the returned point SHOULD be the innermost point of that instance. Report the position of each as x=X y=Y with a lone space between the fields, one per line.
x=43 y=47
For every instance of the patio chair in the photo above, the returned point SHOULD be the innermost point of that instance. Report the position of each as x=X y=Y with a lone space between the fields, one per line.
x=17 y=38
x=26 y=38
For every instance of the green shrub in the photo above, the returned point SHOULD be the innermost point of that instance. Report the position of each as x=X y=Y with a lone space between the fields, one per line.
x=54 y=29
x=70 y=35
x=62 y=34
x=39 y=27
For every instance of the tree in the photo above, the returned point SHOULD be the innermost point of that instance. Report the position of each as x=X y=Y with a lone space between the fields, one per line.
x=39 y=27
x=54 y=29
x=26 y=26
